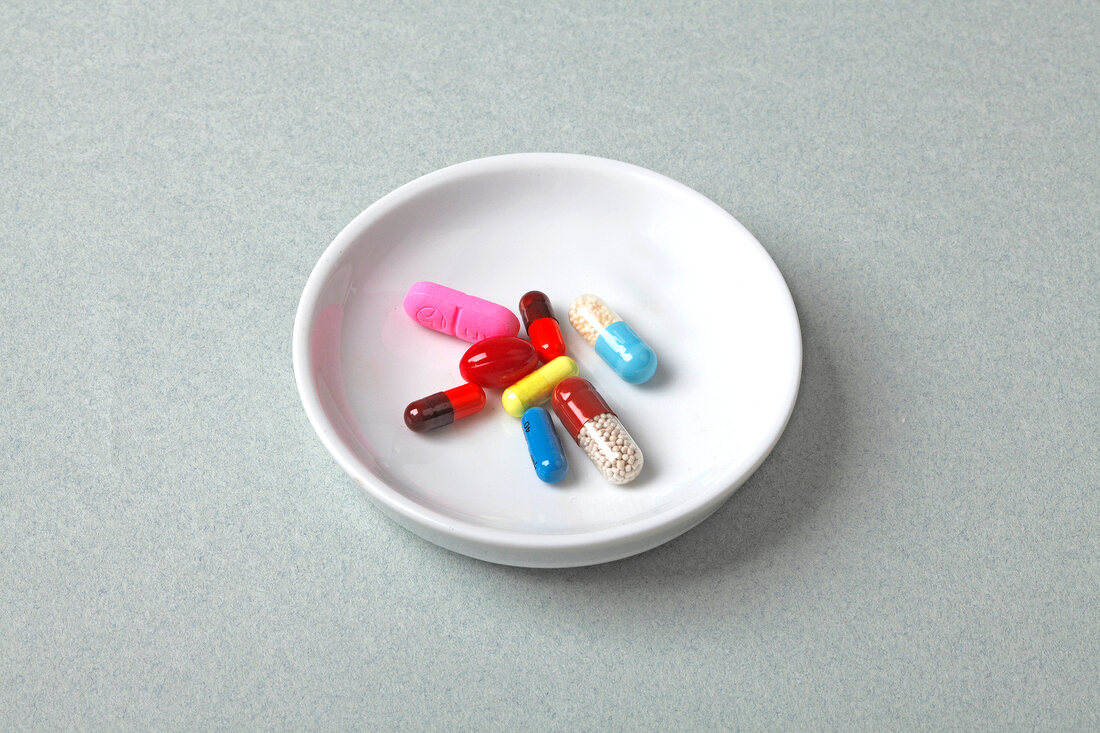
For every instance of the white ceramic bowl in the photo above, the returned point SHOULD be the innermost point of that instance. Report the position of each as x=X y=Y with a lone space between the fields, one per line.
x=684 y=273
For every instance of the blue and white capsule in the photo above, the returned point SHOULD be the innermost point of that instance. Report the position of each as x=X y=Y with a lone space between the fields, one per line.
x=543 y=445
x=614 y=340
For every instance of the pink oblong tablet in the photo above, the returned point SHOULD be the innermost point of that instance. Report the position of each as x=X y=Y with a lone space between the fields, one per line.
x=456 y=314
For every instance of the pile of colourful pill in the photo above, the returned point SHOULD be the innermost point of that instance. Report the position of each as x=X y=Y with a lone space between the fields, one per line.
x=499 y=359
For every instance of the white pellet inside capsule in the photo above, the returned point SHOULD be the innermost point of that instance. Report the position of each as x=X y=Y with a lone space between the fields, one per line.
x=610 y=448
x=591 y=316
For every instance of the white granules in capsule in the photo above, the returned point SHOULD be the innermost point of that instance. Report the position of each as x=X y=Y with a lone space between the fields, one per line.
x=610 y=448
x=590 y=316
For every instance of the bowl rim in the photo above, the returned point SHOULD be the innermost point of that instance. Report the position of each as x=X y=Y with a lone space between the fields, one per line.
x=681 y=515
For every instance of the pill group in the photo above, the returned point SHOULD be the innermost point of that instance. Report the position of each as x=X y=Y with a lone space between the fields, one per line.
x=532 y=372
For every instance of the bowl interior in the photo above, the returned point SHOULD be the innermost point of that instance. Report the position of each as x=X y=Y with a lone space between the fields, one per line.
x=689 y=279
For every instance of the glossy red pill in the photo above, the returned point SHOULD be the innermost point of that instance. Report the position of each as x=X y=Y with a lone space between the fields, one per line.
x=498 y=362
x=542 y=327
x=597 y=430
x=443 y=408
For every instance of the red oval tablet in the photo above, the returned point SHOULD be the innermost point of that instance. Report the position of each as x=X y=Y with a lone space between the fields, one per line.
x=498 y=362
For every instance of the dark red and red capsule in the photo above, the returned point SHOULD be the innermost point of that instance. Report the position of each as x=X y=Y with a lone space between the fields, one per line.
x=542 y=327
x=443 y=408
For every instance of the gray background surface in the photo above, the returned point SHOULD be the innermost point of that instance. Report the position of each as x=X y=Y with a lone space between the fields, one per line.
x=920 y=551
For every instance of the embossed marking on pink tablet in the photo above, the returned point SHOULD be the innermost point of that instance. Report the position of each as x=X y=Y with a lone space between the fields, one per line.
x=454 y=313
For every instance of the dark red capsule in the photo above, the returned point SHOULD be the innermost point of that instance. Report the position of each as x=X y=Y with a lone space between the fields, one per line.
x=443 y=408
x=498 y=362
x=542 y=327
x=575 y=402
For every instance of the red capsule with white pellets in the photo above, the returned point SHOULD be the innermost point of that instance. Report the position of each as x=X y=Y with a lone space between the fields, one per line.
x=542 y=327
x=443 y=408
x=597 y=430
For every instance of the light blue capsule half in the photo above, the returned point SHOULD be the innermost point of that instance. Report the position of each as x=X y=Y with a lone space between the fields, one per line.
x=626 y=353
x=543 y=445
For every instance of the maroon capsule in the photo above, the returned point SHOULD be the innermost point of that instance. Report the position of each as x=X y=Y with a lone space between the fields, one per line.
x=498 y=362
x=443 y=408
x=542 y=327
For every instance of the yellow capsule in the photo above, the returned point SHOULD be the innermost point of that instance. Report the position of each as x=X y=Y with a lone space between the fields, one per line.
x=537 y=386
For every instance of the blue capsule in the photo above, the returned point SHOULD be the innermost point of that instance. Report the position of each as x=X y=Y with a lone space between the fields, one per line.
x=544 y=446
x=614 y=340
